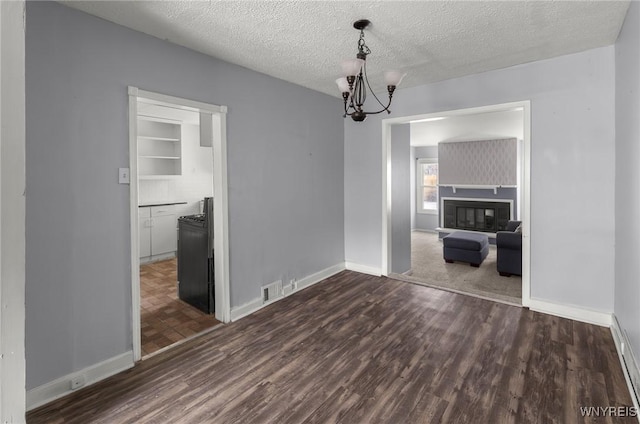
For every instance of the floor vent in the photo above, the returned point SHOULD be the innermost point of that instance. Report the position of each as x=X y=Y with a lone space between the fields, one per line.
x=271 y=292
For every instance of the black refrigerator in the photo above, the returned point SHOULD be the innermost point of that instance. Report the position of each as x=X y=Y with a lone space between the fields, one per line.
x=195 y=259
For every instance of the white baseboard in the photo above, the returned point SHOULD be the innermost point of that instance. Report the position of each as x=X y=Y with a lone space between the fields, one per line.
x=602 y=319
x=257 y=304
x=364 y=269
x=288 y=289
x=312 y=279
x=156 y=258
x=628 y=361
x=60 y=387
x=246 y=309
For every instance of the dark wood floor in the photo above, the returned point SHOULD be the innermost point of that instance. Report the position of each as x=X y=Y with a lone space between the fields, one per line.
x=362 y=349
x=165 y=319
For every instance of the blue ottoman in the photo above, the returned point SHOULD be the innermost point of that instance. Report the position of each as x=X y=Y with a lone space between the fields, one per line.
x=466 y=247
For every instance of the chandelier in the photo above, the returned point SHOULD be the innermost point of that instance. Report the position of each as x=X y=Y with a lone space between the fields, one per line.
x=353 y=85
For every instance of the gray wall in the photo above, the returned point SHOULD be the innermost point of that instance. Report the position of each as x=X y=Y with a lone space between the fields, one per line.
x=285 y=169
x=573 y=129
x=422 y=221
x=627 y=193
x=400 y=199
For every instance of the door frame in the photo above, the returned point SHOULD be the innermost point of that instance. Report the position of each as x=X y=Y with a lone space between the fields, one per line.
x=220 y=209
x=12 y=212
x=524 y=202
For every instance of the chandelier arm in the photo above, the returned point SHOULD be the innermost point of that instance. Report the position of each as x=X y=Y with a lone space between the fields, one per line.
x=347 y=109
x=386 y=109
x=349 y=105
x=373 y=92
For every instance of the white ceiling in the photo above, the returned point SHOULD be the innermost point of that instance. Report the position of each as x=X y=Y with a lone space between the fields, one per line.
x=304 y=41
x=479 y=126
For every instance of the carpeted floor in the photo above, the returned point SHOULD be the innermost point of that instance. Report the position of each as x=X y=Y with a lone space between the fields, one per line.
x=429 y=268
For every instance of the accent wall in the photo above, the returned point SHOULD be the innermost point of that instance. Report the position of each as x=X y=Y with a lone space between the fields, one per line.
x=482 y=162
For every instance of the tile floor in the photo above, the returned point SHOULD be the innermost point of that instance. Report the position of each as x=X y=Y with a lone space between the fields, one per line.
x=165 y=319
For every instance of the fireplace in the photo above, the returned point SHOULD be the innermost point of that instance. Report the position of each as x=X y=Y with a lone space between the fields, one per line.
x=476 y=215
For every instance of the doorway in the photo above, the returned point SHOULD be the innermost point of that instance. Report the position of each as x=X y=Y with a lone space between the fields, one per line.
x=430 y=241
x=179 y=219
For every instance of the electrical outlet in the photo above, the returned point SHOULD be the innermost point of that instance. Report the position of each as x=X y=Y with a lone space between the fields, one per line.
x=78 y=381
x=294 y=284
x=287 y=290
x=622 y=348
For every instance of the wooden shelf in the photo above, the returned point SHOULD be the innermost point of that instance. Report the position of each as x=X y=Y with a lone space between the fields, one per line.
x=159 y=149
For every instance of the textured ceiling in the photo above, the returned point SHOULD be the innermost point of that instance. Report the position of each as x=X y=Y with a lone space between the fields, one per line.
x=304 y=41
x=476 y=126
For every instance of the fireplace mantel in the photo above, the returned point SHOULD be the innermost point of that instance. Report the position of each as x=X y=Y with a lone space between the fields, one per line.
x=477 y=187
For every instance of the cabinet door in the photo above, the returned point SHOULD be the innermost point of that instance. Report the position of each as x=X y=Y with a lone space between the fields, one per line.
x=164 y=236
x=144 y=225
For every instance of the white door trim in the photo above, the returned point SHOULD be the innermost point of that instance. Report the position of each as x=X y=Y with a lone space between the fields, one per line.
x=526 y=179
x=12 y=212
x=220 y=212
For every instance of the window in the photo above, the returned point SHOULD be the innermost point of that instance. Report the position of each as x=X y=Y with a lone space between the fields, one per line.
x=427 y=185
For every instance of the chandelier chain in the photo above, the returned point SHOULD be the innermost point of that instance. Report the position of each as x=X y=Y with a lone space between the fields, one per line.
x=362 y=47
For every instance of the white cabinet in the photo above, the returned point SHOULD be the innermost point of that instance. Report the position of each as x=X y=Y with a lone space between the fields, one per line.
x=144 y=226
x=158 y=232
x=159 y=148
x=164 y=234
